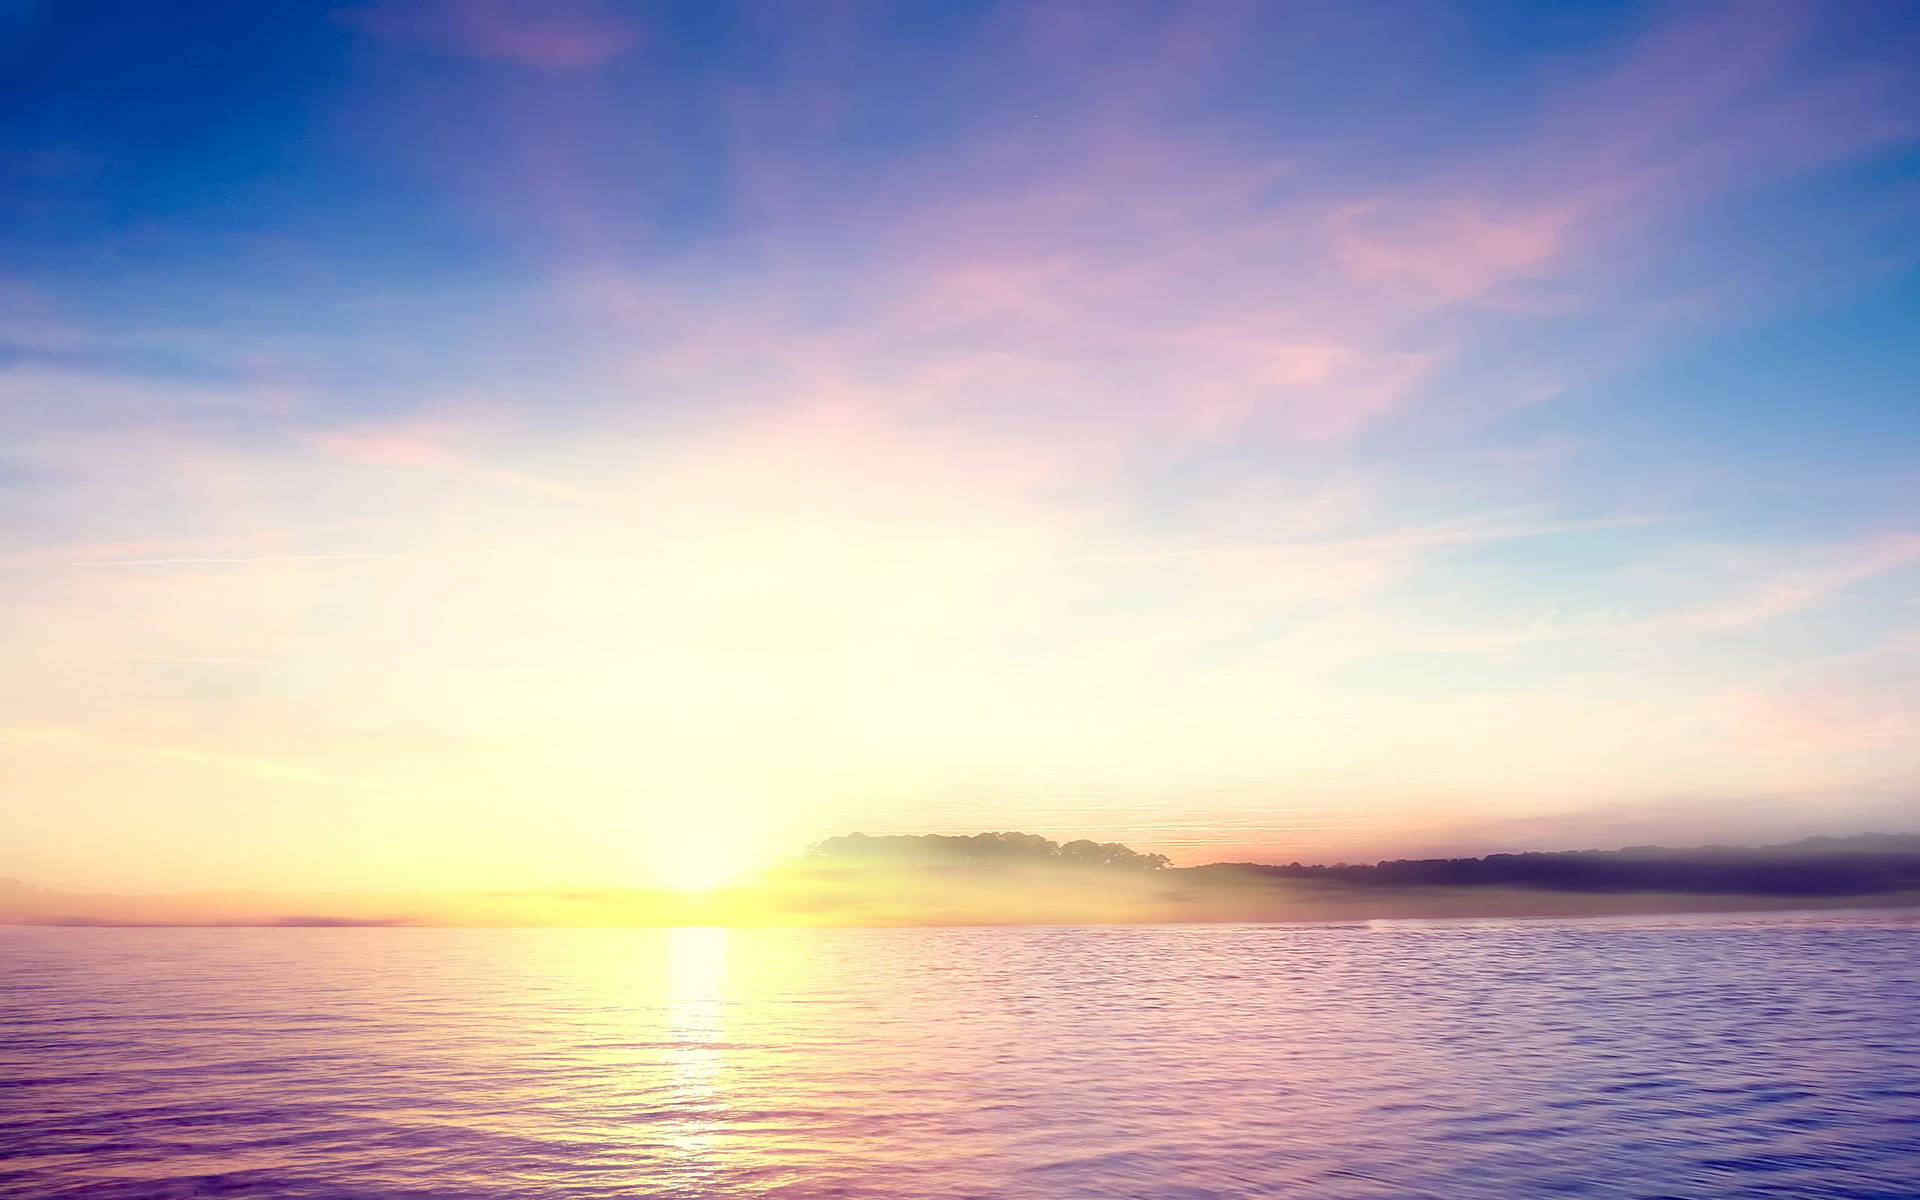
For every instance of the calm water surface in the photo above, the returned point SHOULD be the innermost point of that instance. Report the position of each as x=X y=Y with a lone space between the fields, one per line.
x=1713 y=1057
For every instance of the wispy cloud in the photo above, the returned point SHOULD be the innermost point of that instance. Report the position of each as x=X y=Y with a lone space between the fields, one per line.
x=551 y=34
x=1808 y=588
x=392 y=556
x=1203 y=426
x=249 y=764
x=406 y=449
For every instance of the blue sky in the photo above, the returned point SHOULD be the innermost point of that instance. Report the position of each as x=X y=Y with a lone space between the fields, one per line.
x=562 y=434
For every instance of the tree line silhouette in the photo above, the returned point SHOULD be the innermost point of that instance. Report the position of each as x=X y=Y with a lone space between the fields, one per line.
x=1819 y=866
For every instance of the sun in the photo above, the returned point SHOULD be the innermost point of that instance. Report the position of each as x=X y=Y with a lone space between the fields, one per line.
x=706 y=839
x=700 y=863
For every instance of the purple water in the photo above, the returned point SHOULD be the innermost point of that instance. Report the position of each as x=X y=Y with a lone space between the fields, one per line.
x=1705 y=1057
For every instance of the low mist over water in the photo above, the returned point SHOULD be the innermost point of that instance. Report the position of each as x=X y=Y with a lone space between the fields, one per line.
x=1009 y=878
x=1704 y=1057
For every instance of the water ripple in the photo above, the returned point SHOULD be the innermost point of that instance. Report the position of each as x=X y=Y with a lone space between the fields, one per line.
x=1720 y=1057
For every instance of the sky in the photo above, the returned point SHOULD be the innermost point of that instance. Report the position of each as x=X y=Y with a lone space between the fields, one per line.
x=499 y=444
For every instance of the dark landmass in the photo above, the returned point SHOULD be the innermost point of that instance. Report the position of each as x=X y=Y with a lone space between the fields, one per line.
x=1818 y=866
x=1002 y=878
x=1019 y=878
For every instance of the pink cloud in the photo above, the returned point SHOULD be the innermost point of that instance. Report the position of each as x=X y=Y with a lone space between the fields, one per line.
x=1850 y=705
x=1700 y=106
x=1453 y=252
x=553 y=34
x=409 y=447
x=1107 y=264
x=1805 y=589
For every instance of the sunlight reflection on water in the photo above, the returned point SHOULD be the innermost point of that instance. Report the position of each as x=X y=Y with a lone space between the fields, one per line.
x=696 y=968
x=1711 y=1057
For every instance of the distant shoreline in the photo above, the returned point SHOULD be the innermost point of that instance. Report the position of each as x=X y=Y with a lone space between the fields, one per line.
x=1908 y=904
x=1347 y=907
x=1001 y=879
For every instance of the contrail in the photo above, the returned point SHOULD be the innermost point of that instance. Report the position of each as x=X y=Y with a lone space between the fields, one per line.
x=257 y=558
x=301 y=558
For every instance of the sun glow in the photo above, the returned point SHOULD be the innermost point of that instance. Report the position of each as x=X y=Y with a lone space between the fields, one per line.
x=701 y=858
x=1124 y=462
x=703 y=872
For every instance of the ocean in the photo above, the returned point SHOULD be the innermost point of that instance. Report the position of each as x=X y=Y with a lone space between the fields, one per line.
x=1723 y=1056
